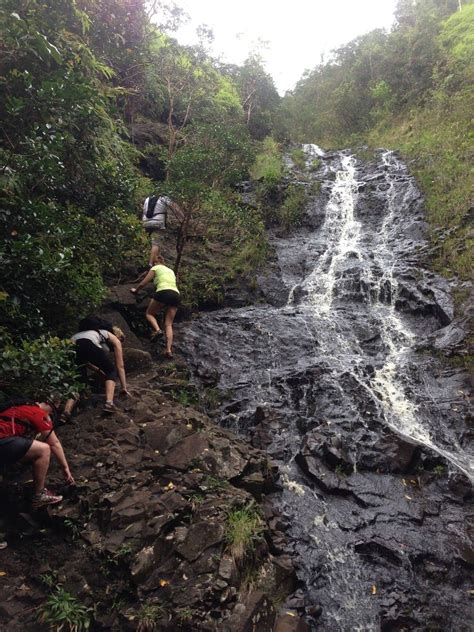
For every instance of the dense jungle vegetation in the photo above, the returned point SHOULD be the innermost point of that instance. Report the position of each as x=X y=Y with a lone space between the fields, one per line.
x=101 y=106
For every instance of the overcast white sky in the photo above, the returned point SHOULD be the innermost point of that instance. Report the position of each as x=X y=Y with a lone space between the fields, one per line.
x=297 y=31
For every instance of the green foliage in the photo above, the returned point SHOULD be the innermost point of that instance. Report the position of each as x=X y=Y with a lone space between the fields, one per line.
x=315 y=164
x=244 y=529
x=268 y=165
x=436 y=137
x=299 y=158
x=456 y=39
x=294 y=205
x=68 y=186
x=148 y=616
x=49 y=579
x=62 y=611
x=211 y=398
x=92 y=90
x=233 y=243
x=44 y=284
x=185 y=615
x=185 y=398
x=382 y=96
x=253 y=252
x=39 y=368
x=410 y=89
x=376 y=74
x=122 y=553
x=216 y=154
x=258 y=95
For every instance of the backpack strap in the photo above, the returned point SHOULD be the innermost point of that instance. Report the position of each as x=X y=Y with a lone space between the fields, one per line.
x=23 y=422
x=102 y=339
x=150 y=209
x=20 y=422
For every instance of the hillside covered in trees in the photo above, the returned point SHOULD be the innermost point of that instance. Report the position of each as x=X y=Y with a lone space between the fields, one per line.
x=101 y=106
x=410 y=90
x=339 y=358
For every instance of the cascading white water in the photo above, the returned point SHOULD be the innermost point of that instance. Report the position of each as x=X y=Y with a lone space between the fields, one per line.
x=341 y=233
x=401 y=414
x=335 y=367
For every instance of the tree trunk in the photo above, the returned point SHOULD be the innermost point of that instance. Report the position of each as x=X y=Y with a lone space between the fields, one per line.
x=182 y=238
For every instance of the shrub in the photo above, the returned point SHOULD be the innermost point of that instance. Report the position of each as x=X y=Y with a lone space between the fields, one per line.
x=293 y=207
x=52 y=275
x=63 y=612
x=268 y=165
x=38 y=368
x=299 y=158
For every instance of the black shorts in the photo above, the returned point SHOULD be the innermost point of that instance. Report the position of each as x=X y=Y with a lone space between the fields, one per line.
x=88 y=353
x=12 y=449
x=170 y=298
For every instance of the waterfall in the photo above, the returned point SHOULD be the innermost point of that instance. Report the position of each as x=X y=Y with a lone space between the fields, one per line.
x=341 y=232
x=336 y=371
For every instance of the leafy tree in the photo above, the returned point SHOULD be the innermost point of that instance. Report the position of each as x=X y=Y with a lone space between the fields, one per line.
x=258 y=95
x=66 y=167
x=90 y=91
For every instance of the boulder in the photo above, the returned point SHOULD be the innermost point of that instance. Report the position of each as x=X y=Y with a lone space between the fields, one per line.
x=131 y=340
x=200 y=537
x=136 y=360
x=255 y=614
x=121 y=295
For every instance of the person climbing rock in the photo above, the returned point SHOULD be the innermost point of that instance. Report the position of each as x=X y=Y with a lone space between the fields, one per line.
x=90 y=345
x=166 y=296
x=18 y=421
x=154 y=218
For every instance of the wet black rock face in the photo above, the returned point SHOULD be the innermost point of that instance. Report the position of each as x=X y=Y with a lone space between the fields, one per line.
x=337 y=379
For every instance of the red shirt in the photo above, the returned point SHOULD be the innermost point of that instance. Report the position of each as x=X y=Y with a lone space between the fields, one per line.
x=36 y=418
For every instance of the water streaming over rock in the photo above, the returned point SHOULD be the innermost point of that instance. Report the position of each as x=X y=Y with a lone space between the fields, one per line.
x=331 y=383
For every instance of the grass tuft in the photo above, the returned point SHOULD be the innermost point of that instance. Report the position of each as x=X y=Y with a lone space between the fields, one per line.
x=244 y=530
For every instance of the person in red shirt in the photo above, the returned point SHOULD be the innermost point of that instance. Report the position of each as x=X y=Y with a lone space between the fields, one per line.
x=16 y=423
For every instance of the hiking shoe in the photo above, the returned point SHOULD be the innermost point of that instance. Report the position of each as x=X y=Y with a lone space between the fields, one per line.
x=156 y=335
x=109 y=407
x=45 y=498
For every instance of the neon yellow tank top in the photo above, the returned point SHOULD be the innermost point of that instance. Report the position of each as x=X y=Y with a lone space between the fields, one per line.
x=165 y=278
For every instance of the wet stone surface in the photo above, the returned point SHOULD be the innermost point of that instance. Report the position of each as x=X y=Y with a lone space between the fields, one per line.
x=340 y=384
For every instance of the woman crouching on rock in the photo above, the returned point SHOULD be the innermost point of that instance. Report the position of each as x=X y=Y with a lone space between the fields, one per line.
x=166 y=296
x=90 y=352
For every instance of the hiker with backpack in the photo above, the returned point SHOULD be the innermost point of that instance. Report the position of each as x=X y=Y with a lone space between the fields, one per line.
x=166 y=296
x=154 y=218
x=95 y=338
x=18 y=419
